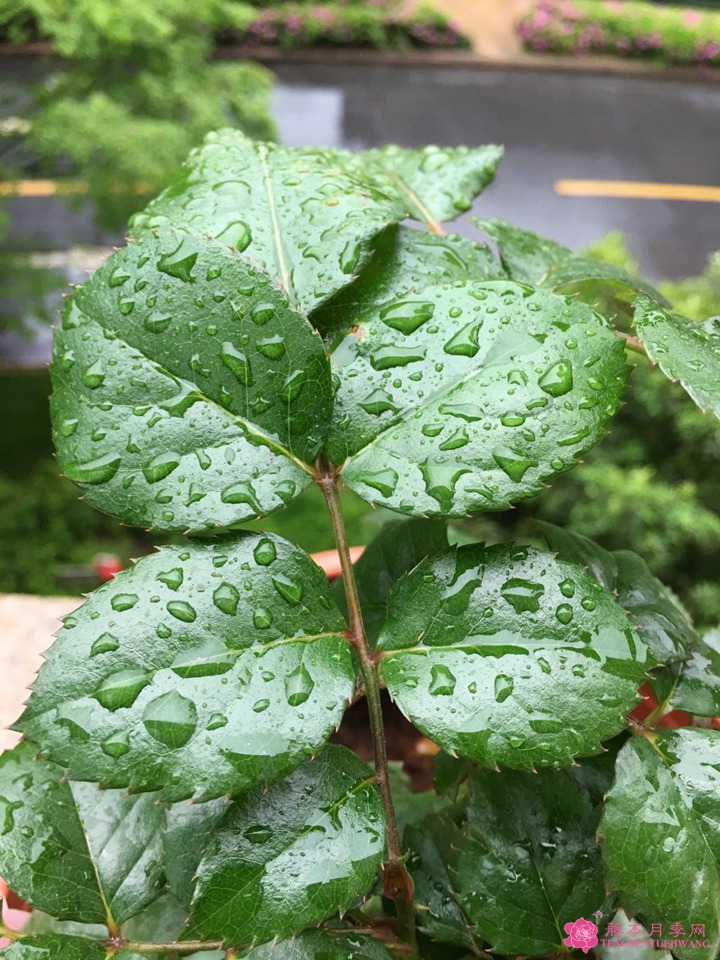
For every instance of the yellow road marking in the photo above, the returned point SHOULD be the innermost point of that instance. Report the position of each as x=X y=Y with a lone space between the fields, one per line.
x=637 y=190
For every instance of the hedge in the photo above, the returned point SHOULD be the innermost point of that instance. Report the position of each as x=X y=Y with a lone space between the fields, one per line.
x=629 y=29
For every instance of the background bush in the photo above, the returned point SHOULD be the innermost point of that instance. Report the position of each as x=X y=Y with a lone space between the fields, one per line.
x=623 y=27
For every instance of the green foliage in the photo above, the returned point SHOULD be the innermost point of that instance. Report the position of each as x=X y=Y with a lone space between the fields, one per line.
x=632 y=28
x=193 y=390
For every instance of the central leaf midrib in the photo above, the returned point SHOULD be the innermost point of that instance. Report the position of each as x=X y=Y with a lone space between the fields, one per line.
x=252 y=427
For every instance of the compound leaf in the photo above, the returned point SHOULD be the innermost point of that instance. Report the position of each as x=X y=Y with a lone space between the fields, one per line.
x=268 y=201
x=684 y=350
x=661 y=833
x=292 y=855
x=171 y=420
x=505 y=655
x=471 y=396
x=400 y=546
x=405 y=260
x=662 y=624
x=520 y=878
x=201 y=671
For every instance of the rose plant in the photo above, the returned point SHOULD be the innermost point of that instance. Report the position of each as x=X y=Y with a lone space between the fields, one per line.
x=271 y=324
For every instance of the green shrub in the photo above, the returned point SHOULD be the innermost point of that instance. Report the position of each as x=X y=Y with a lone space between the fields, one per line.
x=628 y=28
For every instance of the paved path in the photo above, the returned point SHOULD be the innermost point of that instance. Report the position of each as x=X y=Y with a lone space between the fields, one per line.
x=490 y=24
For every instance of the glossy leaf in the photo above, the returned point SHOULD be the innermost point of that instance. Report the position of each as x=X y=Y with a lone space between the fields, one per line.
x=186 y=833
x=304 y=216
x=434 y=844
x=60 y=948
x=322 y=945
x=522 y=877
x=188 y=394
x=694 y=684
x=405 y=260
x=662 y=624
x=684 y=350
x=660 y=832
x=400 y=546
x=530 y=258
x=507 y=656
x=293 y=855
x=434 y=184
x=411 y=805
x=71 y=851
x=471 y=396
x=203 y=670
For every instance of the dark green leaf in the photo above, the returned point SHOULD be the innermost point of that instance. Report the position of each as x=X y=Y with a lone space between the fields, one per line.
x=186 y=833
x=162 y=922
x=293 y=855
x=60 y=948
x=400 y=546
x=505 y=655
x=405 y=260
x=684 y=350
x=471 y=396
x=434 y=184
x=693 y=685
x=411 y=807
x=530 y=258
x=322 y=945
x=71 y=851
x=530 y=862
x=449 y=773
x=434 y=846
x=275 y=203
x=662 y=624
x=526 y=256
x=171 y=420
x=203 y=670
x=661 y=832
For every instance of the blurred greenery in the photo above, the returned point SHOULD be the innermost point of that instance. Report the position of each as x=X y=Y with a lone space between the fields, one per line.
x=133 y=90
x=653 y=484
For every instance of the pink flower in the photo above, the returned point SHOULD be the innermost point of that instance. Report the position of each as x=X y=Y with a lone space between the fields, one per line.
x=691 y=17
x=581 y=934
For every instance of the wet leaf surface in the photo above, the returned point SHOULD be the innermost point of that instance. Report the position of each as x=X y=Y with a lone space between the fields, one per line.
x=201 y=671
x=293 y=855
x=60 y=948
x=505 y=655
x=303 y=215
x=661 y=834
x=694 y=684
x=188 y=394
x=684 y=350
x=471 y=396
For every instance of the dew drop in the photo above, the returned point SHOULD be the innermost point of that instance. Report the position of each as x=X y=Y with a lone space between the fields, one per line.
x=564 y=613
x=504 y=687
x=171 y=719
x=298 y=686
x=557 y=379
x=121 y=689
x=105 y=643
x=226 y=598
x=116 y=745
x=182 y=610
x=123 y=601
x=265 y=552
x=442 y=681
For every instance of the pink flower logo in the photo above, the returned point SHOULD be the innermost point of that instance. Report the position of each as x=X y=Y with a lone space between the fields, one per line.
x=581 y=934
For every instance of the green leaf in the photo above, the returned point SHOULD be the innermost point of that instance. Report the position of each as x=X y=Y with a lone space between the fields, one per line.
x=71 y=851
x=526 y=256
x=693 y=685
x=434 y=184
x=434 y=846
x=507 y=656
x=471 y=396
x=449 y=773
x=293 y=855
x=203 y=670
x=521 y=877
x=405 y=260
x=662 y=624
x=185 y=836
x=411 y=806
x=171 y=420
x=322 y=945
x=60 y=948
x=620 y=952
x=684 y=350
x=400 y=546
x=269 y=201
x=661 y=833
x=530 y=258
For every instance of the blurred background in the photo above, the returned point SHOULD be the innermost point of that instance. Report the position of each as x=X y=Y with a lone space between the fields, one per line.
x=610 y=114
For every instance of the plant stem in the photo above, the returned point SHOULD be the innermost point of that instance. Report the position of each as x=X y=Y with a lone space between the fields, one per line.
x=184 y=947
x=398 y=884
x=633 y=343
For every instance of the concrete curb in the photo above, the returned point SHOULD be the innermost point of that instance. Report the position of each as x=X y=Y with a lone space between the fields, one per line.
x=363 y=56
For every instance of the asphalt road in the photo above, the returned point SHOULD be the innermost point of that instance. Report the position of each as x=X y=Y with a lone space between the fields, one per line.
x=554 y=126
